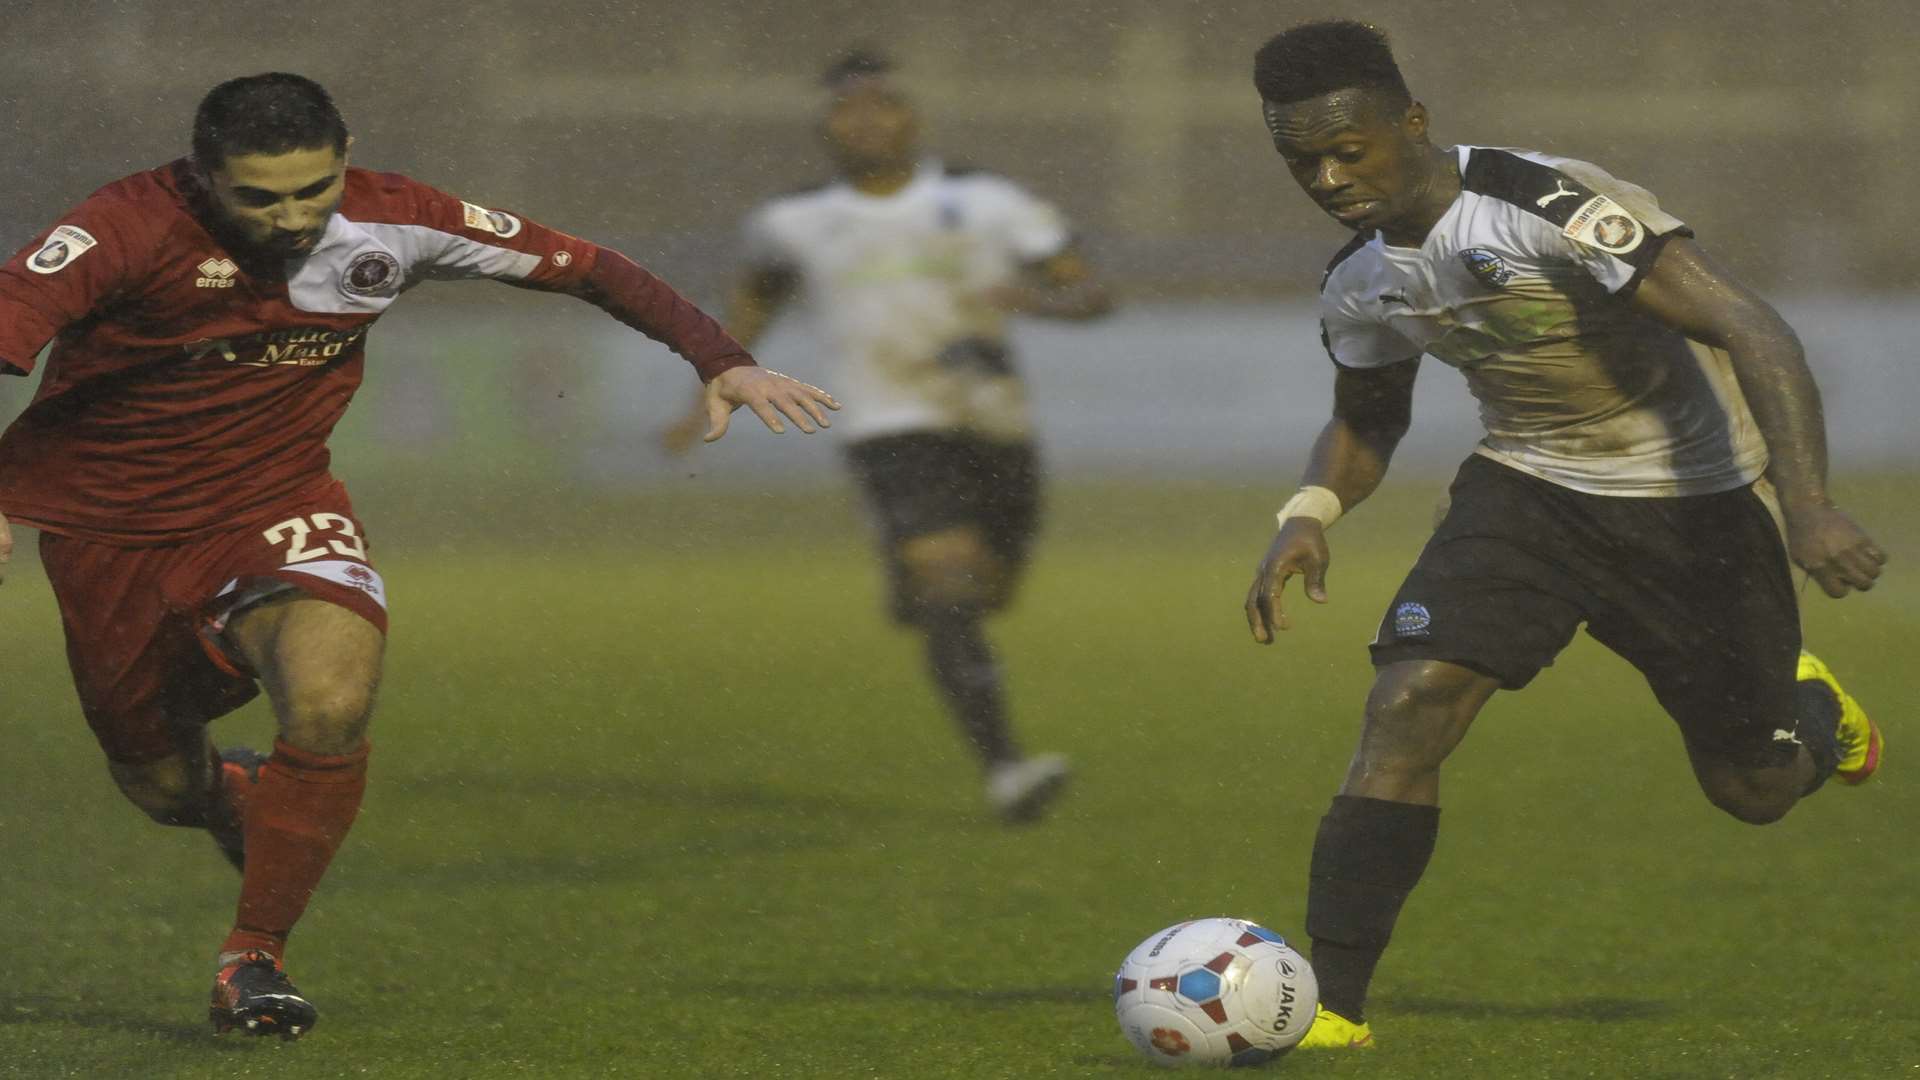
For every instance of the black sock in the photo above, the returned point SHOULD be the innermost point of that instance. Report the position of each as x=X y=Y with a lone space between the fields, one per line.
x=1367 y=856
x=1817 y=726
x=963 y=667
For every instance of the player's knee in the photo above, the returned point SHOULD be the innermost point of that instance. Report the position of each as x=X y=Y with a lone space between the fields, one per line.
x=1755 y=787
x=1753 y=811
x=163 y=790
x=328 y=716
x=1415 y=715
x=1753 y=800
x=953 y=569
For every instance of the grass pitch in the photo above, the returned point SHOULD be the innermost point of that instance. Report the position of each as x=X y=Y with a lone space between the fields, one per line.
x=657 y=793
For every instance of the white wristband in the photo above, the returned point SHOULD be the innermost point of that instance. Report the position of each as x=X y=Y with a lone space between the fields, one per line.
x=1318 y=503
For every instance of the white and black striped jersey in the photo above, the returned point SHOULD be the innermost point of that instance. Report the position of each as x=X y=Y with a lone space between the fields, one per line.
x=899 y=286
x=1523 y=286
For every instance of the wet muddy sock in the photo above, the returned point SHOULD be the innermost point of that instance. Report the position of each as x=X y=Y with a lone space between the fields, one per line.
x=963 y=667
x=1817 y=726
x=1367 y=856
x=296 y=816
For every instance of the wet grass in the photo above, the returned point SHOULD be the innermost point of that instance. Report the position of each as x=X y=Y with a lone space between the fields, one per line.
x=658 y=794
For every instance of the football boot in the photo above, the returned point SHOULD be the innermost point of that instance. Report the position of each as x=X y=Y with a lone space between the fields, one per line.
x=252 y=995
x=1331 y=1031
x=1019 y=790
x=1859 y=740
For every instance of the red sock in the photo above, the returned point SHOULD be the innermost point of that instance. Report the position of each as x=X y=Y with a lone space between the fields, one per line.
x=296 y=817
x=227 y=809
x=235 y=787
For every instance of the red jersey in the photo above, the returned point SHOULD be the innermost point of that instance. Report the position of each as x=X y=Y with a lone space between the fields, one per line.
x=191 y=383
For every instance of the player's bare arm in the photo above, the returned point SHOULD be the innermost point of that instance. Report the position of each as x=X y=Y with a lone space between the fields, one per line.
x=756 y=299
x=1060 y=287
x=1688 y=292
x=1372 y=409
x=6 y=548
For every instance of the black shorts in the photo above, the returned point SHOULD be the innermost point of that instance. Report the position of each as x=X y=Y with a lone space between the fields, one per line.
x=1693 y=591
x=927 y=482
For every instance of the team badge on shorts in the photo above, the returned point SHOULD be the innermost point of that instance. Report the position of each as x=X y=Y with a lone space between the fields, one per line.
x=370 y=273
x=1411 y=620
x=1489 y=269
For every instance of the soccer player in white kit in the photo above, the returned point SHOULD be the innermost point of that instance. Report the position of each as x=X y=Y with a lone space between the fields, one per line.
x=909 y=268
x=1655 y=454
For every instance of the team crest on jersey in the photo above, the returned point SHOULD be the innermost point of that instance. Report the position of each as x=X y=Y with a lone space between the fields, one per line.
x=64 y=244
x=1615 y=232
x=370 y=273
x=497 y=222
x=1600 y=222
x=1488 y=268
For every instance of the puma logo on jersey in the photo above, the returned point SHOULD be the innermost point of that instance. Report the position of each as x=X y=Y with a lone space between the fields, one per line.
x=216 y=274
x=1563 y=191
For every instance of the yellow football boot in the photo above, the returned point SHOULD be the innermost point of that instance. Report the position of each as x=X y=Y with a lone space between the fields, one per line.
x=1332 y=1031
x=1860 y=741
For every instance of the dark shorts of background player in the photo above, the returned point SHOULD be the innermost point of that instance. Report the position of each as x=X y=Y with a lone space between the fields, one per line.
x=925 y=482
x=1693 y=591
x=144 y=624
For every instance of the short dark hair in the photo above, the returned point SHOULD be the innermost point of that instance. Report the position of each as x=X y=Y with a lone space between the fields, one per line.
x=859 y=62
x=272 y=113
x=1318 y=58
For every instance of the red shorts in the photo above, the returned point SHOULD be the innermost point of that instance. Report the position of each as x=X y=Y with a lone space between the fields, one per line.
x=144 y=623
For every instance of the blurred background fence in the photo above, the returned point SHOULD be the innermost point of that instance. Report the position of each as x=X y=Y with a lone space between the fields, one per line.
x=1786 y=134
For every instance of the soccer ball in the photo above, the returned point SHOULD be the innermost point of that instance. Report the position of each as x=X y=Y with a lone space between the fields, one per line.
x=1214 y=992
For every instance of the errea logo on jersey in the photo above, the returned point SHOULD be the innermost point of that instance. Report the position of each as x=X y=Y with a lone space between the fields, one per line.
x=216 y=274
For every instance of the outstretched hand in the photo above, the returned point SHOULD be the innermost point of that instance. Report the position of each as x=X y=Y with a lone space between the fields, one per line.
x=1299 y=548
x=1832 y=549
x=770 y=395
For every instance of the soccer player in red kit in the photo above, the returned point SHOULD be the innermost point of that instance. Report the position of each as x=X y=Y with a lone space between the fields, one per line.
x=208 y=321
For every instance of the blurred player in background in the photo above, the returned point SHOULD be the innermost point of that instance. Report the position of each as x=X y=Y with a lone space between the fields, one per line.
x=209 y=319
x=1655 y=454
x=909 y=267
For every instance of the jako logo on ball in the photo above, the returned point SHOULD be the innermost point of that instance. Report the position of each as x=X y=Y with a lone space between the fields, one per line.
x=1214 y=992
